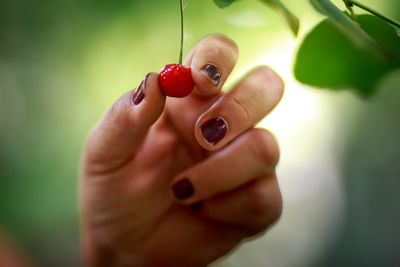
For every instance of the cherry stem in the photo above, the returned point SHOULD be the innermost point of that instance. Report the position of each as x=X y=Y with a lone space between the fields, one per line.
x=356 y=3
x=181 y=50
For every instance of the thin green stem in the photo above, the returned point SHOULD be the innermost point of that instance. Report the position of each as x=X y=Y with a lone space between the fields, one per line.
x=349 y=7
x=181 y=50
x=356 y=3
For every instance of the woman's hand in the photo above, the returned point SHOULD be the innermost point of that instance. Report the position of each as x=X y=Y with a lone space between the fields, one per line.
x=180 y=182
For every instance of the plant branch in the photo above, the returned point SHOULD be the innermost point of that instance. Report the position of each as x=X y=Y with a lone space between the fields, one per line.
x=356 y=3
x=353 y=31
x=181 y=50
x=349 y=7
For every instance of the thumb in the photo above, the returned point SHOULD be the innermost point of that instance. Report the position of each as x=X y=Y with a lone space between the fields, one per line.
x=122 y=130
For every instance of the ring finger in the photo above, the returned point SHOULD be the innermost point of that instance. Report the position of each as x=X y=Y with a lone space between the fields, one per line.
x=253 y=154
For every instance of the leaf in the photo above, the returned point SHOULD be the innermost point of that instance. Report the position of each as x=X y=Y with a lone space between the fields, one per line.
x=328 y=58
x=384 y=35
x=345 y=24
x=291 y=19
x=389 y=95
x=224 y=3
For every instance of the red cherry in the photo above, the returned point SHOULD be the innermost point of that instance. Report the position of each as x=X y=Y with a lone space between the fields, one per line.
x=176 y=80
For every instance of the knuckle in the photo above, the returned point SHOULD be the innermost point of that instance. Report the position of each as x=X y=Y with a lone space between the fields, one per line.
x=93 y=155
x=265 y=206
x=240 y=110
x=116 y=114
x=265 y=146
x=165 y=143
x=259 y=204
x=90 y=143
x=275 y=207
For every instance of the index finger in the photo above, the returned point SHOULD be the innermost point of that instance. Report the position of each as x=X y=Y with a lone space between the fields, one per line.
x=211 y=61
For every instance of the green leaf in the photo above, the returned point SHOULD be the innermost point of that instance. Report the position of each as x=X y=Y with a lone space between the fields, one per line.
x=345 y=24
x=291 y=19
x=328 y=58
x=224 y=3
x=389 y=95
x=384 y=35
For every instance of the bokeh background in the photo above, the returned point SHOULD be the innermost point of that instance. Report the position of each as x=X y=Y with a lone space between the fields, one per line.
x=63 y=63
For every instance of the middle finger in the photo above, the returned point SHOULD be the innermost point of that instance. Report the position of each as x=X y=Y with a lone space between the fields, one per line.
x=240 y=109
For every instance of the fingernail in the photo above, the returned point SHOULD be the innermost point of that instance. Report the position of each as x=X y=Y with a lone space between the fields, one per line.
x=138 y=94
x=183 y=189
x=212 y=72
x=197 y=206
x=214 y=130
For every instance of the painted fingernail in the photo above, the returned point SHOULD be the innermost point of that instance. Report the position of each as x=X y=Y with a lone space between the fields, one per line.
x=138 y=94
x=183 y=189
x=214 y=130
x=197 y=206
x=212 y=72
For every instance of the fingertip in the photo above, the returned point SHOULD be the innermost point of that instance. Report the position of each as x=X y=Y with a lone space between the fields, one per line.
x=124 y=126
x=276 y=85
x=210 y=131
x=152 y=101
x=155 y=83
x=138 y=108
x=240 y=109
x=207 y=79
x=211 y=61
x=152 y=89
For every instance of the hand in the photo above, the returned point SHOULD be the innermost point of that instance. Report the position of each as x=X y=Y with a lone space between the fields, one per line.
x=181 y=182
x=10 y=254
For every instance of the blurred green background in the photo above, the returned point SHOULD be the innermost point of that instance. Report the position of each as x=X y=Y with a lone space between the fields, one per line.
x=63 y=63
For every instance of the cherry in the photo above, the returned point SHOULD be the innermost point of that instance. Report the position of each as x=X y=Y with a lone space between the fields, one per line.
x=176 y=80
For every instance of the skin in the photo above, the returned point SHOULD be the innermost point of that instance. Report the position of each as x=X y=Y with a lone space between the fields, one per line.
x=137 y=152
x=10 y=255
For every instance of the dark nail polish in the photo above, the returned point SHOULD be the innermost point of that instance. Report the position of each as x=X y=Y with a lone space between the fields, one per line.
x=183 y=189
x=138 y=94
x=212 y=72
x=214 y=130
x=197 y=206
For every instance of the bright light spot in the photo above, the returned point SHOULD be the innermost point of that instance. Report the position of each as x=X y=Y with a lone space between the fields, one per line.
x=308 y=172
